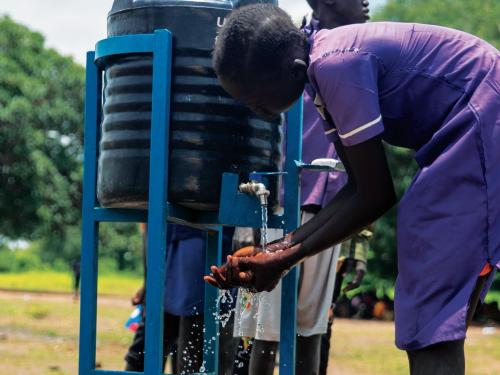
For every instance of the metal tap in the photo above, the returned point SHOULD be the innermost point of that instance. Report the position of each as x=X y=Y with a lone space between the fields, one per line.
x=256 y=188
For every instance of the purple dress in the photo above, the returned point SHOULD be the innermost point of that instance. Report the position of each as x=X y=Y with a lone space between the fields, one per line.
x=437 y=91
x=317 y=188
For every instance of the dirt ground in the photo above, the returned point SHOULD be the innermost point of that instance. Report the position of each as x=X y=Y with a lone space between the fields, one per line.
x=39 y=334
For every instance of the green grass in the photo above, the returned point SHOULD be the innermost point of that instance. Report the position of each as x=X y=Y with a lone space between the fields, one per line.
x=39 y=334
x=51 y=281
x=493 y=296
x=367 y=348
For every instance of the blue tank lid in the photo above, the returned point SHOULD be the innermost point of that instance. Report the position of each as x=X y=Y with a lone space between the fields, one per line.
x=121 y=5
x=240 y=3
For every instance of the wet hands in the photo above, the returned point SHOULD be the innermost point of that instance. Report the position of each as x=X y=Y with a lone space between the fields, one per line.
x=252 y=268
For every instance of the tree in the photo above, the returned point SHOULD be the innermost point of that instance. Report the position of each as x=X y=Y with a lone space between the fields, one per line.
x=41 y=105
x=480 y=18
x=41 y=130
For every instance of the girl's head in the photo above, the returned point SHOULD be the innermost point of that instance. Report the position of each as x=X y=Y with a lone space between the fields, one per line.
x=260 y=58
x=335 y=13
x=313 y=4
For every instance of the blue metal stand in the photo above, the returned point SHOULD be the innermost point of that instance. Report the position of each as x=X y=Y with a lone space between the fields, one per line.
x=235 y=209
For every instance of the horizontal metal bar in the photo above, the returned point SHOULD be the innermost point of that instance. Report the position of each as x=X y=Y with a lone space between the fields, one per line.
x=124 y=44
x=121 y=215
x=175 y=215
x=112 y=372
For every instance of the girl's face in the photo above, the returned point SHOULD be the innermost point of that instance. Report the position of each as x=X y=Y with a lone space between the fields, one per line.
x=267 y=98
x=353 y=10
x=344 y=12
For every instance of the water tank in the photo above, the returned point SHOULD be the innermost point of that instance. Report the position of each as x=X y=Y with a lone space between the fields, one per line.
x=210 y=133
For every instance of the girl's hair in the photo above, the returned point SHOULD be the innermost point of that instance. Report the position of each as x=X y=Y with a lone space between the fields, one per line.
x=313 y=4
x=255 y=42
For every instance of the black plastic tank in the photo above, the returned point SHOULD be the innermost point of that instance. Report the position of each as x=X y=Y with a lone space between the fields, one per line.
x=210 y=134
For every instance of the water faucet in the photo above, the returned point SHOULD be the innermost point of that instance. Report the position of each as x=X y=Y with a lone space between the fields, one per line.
x=256 y=188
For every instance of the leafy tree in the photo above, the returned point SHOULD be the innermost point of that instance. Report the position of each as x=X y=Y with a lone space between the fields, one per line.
x=480 y=18
x=41 y=129
x=41 y=99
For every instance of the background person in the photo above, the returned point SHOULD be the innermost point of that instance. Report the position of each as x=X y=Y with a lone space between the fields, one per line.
x=183 y=302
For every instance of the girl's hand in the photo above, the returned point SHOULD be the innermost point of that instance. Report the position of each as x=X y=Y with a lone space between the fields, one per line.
x=252 y=268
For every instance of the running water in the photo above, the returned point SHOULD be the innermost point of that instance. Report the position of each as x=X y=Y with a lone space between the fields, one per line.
x=224 y=297
x=263 y=230
x=248 y=299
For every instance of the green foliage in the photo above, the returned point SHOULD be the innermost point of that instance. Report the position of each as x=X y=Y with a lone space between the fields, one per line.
x=41 y=100
x=481 y=18
x=120 y=247
x=41 y=123
x=121 y=244
x=19 y=260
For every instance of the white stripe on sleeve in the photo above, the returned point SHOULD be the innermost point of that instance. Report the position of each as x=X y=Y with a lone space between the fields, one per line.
x=361 y=128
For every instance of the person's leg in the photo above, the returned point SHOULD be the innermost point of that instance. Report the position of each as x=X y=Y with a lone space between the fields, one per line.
x=325 y=348
x=77 y=283
x=228 y=345
x=170 y=336
x=263 y=357
x=308 y=355
x=190 y=344
x=135 y=355
x=475 y=298
x=241 y=364
x=446 y=358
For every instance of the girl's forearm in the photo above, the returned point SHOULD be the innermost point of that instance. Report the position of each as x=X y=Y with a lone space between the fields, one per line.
x=324 y=215
x=341 y=220
x=368 y=194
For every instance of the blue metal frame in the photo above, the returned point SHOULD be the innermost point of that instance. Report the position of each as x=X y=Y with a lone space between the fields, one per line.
x=159 y=45
x=160 y=211
x=292 y=212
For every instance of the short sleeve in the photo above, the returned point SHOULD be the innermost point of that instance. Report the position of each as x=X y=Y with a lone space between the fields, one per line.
x=347 y=96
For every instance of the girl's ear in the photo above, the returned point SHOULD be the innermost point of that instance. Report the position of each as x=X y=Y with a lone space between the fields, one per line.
x=299 y=69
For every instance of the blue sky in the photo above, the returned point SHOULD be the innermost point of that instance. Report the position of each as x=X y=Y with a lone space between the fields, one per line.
x=73 y=26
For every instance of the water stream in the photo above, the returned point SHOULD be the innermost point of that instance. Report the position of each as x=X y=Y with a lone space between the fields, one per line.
x=248 y=298
x=263 y=230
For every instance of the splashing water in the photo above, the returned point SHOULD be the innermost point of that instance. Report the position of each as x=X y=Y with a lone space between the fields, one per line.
x=202 y=369
x=224 y=296
x=263 y=230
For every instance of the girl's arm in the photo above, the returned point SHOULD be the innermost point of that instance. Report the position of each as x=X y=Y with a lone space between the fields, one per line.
x=368 y=194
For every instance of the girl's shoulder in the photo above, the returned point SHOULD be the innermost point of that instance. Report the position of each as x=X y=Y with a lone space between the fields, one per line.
x=350 y=44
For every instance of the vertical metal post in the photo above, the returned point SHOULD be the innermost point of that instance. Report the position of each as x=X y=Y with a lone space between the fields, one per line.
x=292 y=214
x=157 y=207
x=211 y=345
x=90 y=232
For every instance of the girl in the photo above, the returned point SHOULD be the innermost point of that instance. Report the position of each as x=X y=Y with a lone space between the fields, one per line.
x=260 y=318
x=424 y=87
